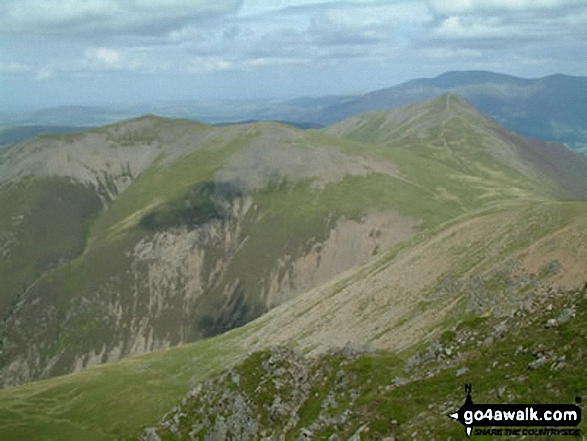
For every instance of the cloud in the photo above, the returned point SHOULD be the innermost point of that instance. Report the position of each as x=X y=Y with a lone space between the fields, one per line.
x=479 y=6
x=44 y=73
x=13 y=68
x=258 y=7
x=389 y=14
x=445 y=53
x=472 y=28
x=93 y=60
x=107 y=39
x=102 y=58
x=113 y=16
x=509 y=30
x=210 y=64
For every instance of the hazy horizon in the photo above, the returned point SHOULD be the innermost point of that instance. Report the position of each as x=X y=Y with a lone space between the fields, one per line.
x=128 y=52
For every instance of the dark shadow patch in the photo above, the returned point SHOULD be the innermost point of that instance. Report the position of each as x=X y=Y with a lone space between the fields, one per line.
x=237 y=312
x=201 y=204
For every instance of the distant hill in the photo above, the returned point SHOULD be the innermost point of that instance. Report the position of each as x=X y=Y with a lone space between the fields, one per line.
x=467 y=139
x=552 y=108
x=212 y=112
x=12 y=135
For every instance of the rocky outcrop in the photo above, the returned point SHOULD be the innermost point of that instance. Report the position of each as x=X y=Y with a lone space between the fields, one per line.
x=355 y=393
x=271 y=396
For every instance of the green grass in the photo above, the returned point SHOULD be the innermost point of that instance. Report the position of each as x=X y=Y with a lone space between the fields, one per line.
x=164 y=182
x=44 y=221
x=434 y=390
x=112 y=401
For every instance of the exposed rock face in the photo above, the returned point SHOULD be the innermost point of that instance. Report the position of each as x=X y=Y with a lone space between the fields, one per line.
x=175 y=286
x=174 y=279
x=265 y=398
x=349 y=244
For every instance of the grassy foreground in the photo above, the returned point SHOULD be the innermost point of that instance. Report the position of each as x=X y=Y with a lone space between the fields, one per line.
x=113 y=401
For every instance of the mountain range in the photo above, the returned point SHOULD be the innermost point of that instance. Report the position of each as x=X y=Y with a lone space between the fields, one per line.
x=384 y=230
x=551 y=108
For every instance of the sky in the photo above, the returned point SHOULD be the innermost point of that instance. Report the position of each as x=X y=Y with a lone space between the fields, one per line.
x=97 y=52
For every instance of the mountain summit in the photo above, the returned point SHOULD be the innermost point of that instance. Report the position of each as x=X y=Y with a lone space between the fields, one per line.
x=550 y=108
x=451 y=130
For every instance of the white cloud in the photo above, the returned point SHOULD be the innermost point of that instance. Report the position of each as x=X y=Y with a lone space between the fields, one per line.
x=276 y=61
x=44 y=73
x=255 y=7
x=509 y=29
x=381 y=14
x=102 y=58
x=13 y=68
x=446 y=53
x=28 y=13
x=474 y=6
x=114 y=16
x=209 y=64
x=466 y=27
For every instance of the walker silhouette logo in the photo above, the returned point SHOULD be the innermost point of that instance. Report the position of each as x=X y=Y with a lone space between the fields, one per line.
x=545 y=419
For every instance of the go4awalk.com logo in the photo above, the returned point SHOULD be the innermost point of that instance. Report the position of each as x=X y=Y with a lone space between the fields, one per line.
x=518 y=419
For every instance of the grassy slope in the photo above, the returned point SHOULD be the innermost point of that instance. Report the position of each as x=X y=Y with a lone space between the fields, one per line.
x=116 y=400
x=453 y=132
x=44 y=221
x=428 y=390
x=110 y=401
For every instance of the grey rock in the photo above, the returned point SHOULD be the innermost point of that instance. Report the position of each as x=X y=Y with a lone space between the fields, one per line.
x=462 y=371
x=399 y=381
x=551 y=323
x=558 y=366
x=541 y=361
x=357 y=435
x=500 y=391
x=567 y=314
x=435 y=348
x=150 y=435
x=500 y=330
x=305 y=434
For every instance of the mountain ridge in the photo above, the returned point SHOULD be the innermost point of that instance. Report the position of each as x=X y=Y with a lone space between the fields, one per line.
x=308 y=239
x=166 y=258
x=549 y=108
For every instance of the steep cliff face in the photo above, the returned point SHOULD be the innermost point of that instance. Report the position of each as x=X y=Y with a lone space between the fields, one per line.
x=193 y=231
x=175 y=285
